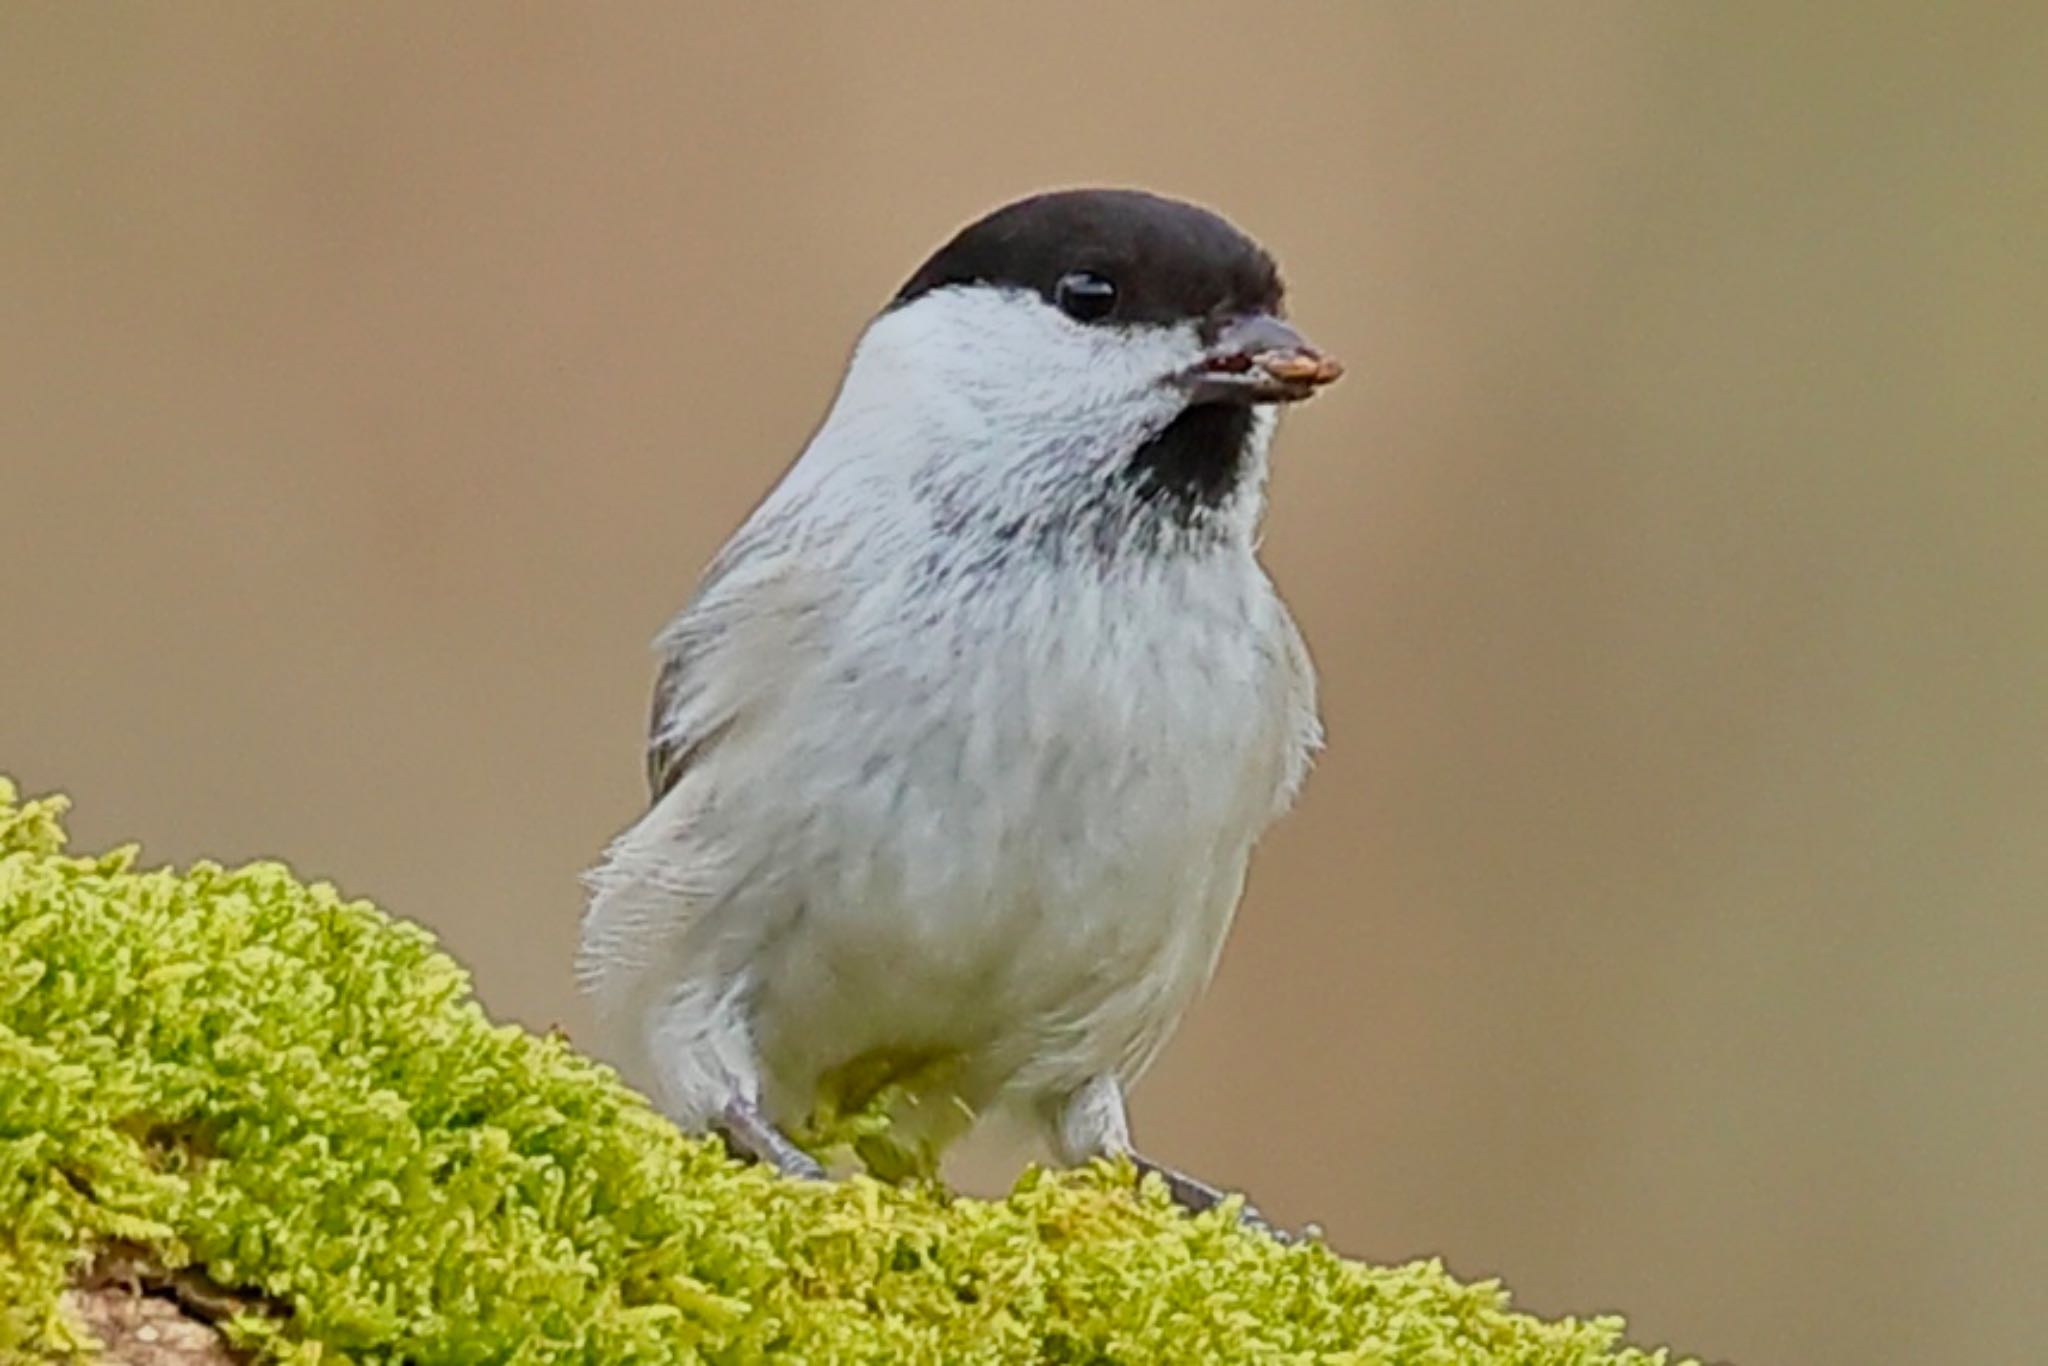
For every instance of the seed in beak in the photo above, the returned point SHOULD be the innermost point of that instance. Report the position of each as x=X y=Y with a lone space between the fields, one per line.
x=1299 y=367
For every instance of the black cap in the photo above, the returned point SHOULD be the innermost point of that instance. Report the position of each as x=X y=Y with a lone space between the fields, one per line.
x=1170 y=261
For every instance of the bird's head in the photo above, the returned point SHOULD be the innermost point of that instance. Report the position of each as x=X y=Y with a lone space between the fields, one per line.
x=1101 y=356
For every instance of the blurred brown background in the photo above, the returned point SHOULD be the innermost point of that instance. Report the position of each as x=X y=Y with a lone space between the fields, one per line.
x=1664 y=929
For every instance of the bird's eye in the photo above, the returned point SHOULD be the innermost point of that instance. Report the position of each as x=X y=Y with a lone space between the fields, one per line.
x=1085 y=296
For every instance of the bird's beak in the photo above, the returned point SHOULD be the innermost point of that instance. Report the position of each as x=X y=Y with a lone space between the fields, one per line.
x=1257 y=358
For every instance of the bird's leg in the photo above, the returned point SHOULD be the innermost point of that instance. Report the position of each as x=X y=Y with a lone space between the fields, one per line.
x=1093 y=1123
x=750 y=1135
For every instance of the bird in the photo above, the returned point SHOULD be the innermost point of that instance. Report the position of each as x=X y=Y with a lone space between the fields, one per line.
x=960 y=748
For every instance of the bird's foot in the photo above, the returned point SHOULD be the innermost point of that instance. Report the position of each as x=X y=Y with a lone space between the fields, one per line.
x=1197 y=1196
x=752 y=1137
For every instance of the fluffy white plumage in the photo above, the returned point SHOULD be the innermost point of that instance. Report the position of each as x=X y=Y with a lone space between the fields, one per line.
x=970 y=745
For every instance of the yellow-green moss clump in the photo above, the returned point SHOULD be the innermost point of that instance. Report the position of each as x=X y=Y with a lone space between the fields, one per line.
x=230 y=1071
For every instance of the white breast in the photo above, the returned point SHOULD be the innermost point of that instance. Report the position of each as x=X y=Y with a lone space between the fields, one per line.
x=1054 y=794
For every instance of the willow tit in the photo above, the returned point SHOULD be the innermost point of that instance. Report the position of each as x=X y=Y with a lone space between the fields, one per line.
x=961 y=747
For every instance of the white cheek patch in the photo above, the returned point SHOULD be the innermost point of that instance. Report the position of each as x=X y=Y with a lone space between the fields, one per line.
x=1025 y=366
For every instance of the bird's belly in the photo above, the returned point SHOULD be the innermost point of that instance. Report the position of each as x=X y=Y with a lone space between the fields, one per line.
x=1023 y=932
x=1041 y=976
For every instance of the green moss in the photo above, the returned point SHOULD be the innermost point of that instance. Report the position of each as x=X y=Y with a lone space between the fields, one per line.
x=297 y=1095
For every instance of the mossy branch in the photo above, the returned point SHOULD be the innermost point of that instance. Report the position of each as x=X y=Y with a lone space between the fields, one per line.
x=231 y=1098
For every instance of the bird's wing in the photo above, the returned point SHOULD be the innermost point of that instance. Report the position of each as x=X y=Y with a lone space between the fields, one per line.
x=668 y=752
x=732 y=666
x=733 y=653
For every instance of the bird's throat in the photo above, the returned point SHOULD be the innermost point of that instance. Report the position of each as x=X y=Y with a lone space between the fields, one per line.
x=1196 y=462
